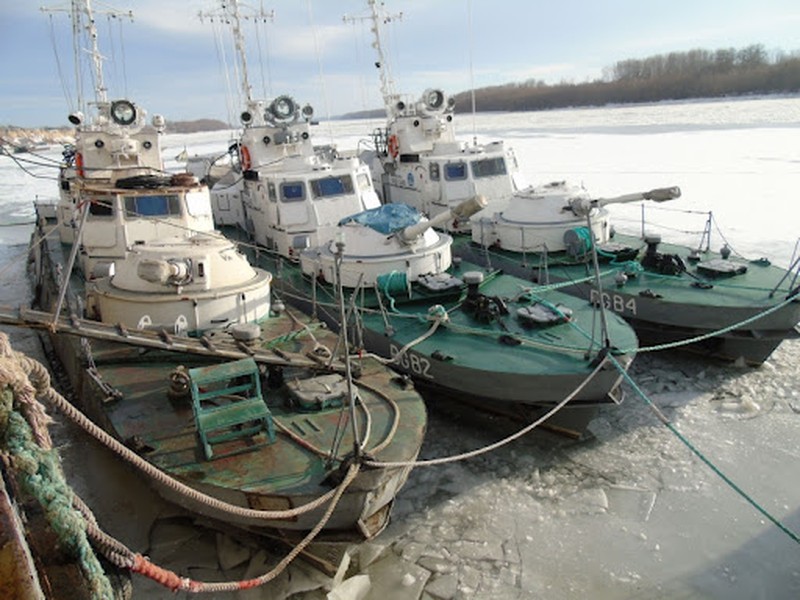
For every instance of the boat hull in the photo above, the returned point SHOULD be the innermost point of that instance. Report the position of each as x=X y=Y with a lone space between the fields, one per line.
x=736 y=317
x=473 y=361
x=125 y=392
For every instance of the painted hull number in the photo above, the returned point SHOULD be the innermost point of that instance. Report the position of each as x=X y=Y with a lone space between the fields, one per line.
x=617 y=303
x=413 y=363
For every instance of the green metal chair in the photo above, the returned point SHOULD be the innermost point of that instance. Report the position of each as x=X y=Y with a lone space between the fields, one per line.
x=244 y=413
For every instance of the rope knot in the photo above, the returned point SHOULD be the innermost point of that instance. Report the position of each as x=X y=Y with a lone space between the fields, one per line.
x=438 y=313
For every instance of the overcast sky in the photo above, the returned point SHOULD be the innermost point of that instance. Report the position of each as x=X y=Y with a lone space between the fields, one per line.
x=171 y=62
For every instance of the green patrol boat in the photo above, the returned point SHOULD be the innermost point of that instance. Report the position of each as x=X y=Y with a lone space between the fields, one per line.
x=474 y=333
x=710 y=302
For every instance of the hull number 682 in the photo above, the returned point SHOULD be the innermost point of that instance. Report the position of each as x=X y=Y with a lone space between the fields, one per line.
x=416 y=364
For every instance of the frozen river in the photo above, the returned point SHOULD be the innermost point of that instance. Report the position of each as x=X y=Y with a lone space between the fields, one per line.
x=629 y=512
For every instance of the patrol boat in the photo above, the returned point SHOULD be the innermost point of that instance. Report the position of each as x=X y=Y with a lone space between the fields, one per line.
x=276 y=169
x=708 y=301
x=719 y=305
x=245 y=413
x=181 y=355
x=471 y=332
x=416 y=158
x=304 y=211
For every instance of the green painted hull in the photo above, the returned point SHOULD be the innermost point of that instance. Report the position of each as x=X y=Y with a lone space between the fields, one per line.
x=667 y=309
x=126 y=393
x=494 y=362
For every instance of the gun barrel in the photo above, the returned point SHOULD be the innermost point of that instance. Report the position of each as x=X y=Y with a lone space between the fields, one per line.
x=582 y=206
x=656 y=195
x=464 y=210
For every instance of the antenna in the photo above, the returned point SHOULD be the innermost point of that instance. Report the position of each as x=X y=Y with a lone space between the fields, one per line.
x=82 y=17
x=378 y=18
x=229 y=14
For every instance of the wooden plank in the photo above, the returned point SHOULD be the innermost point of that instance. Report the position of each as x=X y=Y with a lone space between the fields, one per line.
x=25 y=317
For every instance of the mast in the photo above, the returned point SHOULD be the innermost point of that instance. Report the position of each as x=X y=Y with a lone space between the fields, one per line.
x=229 y=11
x=378 y=18
x=83 y=18
x=76 y=52
x=100 y=91
x=238 y=40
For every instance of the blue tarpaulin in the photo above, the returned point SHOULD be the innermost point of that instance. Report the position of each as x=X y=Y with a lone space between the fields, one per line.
x=387 y=218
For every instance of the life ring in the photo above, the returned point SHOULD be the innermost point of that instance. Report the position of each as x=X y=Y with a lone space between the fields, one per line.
x=79 y=165
x=244 y=157
x=394 y=146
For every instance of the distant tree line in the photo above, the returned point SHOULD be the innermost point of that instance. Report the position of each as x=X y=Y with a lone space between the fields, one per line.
x=196 y=125
x=675 y=76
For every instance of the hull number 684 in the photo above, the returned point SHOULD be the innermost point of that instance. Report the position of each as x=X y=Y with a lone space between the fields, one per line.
x=615 y=302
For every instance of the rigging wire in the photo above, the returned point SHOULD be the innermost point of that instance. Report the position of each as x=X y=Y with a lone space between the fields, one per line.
x=266 y=82
x=471 y=74
x=358 y=39
x=124 y=61
x=19 y=161
x=112 y=45
x=321 y=73
x=47 y=161
x=219 y=47
x=64 y=87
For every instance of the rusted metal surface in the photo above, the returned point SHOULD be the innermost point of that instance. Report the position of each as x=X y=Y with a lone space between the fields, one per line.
x=290 y=472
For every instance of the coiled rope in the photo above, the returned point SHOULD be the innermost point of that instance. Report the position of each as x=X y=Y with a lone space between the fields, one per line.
x=23 y=432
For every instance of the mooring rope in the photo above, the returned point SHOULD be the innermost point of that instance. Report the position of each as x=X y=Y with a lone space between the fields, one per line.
x=639 y=392
x=38 y=468
x=711 y=334
x=176 y=583
x=500 y=443
x=77 y=417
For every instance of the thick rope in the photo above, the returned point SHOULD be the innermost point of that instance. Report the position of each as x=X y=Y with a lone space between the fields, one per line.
x=176 y=583
x=438 y=319
x=79 y=523
x=507 y=440
x=711 y=334
x=154 y=472
x=38 y=468
x=792 y=535
x=395 y=419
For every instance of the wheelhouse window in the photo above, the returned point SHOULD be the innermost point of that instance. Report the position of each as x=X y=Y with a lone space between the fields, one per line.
x=434 y=172
x=159 y=205
x=101 y=207
x=455 y=171
x=332 y=186
x=272 y=192
x=488 y=167
x=293 y=191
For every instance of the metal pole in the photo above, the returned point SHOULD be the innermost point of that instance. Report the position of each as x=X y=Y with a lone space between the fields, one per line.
x=71 y=263
x=596 y=262
x=343 y=331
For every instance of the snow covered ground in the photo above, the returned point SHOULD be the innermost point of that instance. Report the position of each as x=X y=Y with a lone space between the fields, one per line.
x=629 y=512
